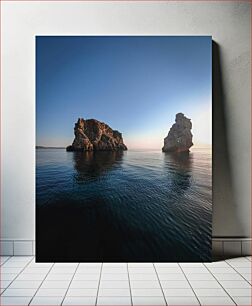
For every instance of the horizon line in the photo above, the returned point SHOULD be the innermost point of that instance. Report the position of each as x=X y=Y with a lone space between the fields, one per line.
x=129 y=148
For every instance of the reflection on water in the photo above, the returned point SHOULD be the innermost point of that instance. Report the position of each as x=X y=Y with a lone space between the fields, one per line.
x=179 y=166
x=123 y=206
x=90 y=165
x=182 y=160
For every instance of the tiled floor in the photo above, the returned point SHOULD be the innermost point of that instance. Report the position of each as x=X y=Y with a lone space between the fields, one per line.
x=24 y=282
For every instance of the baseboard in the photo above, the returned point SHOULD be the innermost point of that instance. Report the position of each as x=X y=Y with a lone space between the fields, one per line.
x=222 y=247
x=17 y=247
x=231 y=247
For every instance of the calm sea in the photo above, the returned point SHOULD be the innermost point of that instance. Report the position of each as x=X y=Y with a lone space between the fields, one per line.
x=140 y=205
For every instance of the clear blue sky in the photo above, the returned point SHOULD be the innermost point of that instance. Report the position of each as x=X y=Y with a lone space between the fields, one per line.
x=134 y=84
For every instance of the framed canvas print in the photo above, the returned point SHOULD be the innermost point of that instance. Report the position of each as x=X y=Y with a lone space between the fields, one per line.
x=123 y=148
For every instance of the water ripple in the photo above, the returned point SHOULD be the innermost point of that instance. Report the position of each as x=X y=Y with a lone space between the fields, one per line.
x=142 y=205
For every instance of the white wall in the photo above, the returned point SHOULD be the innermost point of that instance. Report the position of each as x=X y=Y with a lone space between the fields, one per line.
x=227 y=22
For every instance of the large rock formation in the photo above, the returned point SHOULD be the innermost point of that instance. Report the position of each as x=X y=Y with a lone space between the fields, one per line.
x=93 y=135
x=179 y=138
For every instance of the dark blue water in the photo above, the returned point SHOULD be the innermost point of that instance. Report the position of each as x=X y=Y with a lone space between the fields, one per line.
x=123 y=206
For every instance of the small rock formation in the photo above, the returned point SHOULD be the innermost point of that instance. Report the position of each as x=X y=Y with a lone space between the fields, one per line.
x=93 y=135
x=179 y=138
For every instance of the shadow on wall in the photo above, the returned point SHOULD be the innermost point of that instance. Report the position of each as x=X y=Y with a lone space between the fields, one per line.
x=225 y=214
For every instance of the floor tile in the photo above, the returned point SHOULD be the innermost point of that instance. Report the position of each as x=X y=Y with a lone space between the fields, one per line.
x=33 y=270
x=146 y=292
x=62 y=270
x=25 y=284
x=47 y=300
x=165 y=264
x=235 y=284
x=5 y=283
x=3 y=259
x=14 y=300
x=200 y=276
x=172 y=276
x=216 y=264
x=114 y=284
x=229 y=276
x=55 y=284
x=115 y=264
x=114 y=292
x=56 y=276
x=87 y=276
x=79 y=301
x=114 y=270
x=40 y=265
x=82 y=292
x=175 y=284
x=243 y=300
x=195 y=270
x=140 y=264
x=169 y=270
x=8 y=276
x=220 y=270
x=210 y=292
x=243 y=269
x=210 y=301
x=204 y=284
x=180 y=300
x=84 y=284
x=9 y=270
x=88 y=270
x=241 y=264
x=103 y=300
x=30 y=276
x=19 y=292
x=247 y=277
x=144 y=270
x=145 y=284
x=14 y=264
x=22 y=258
x=191 y=264
x=178 y=292
x=148 y=300
x=239 y=291
x=236 y=259
x=66 y=264
x=51 y=292
x=139 y=276
x=94 y=264
x=118 y=276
